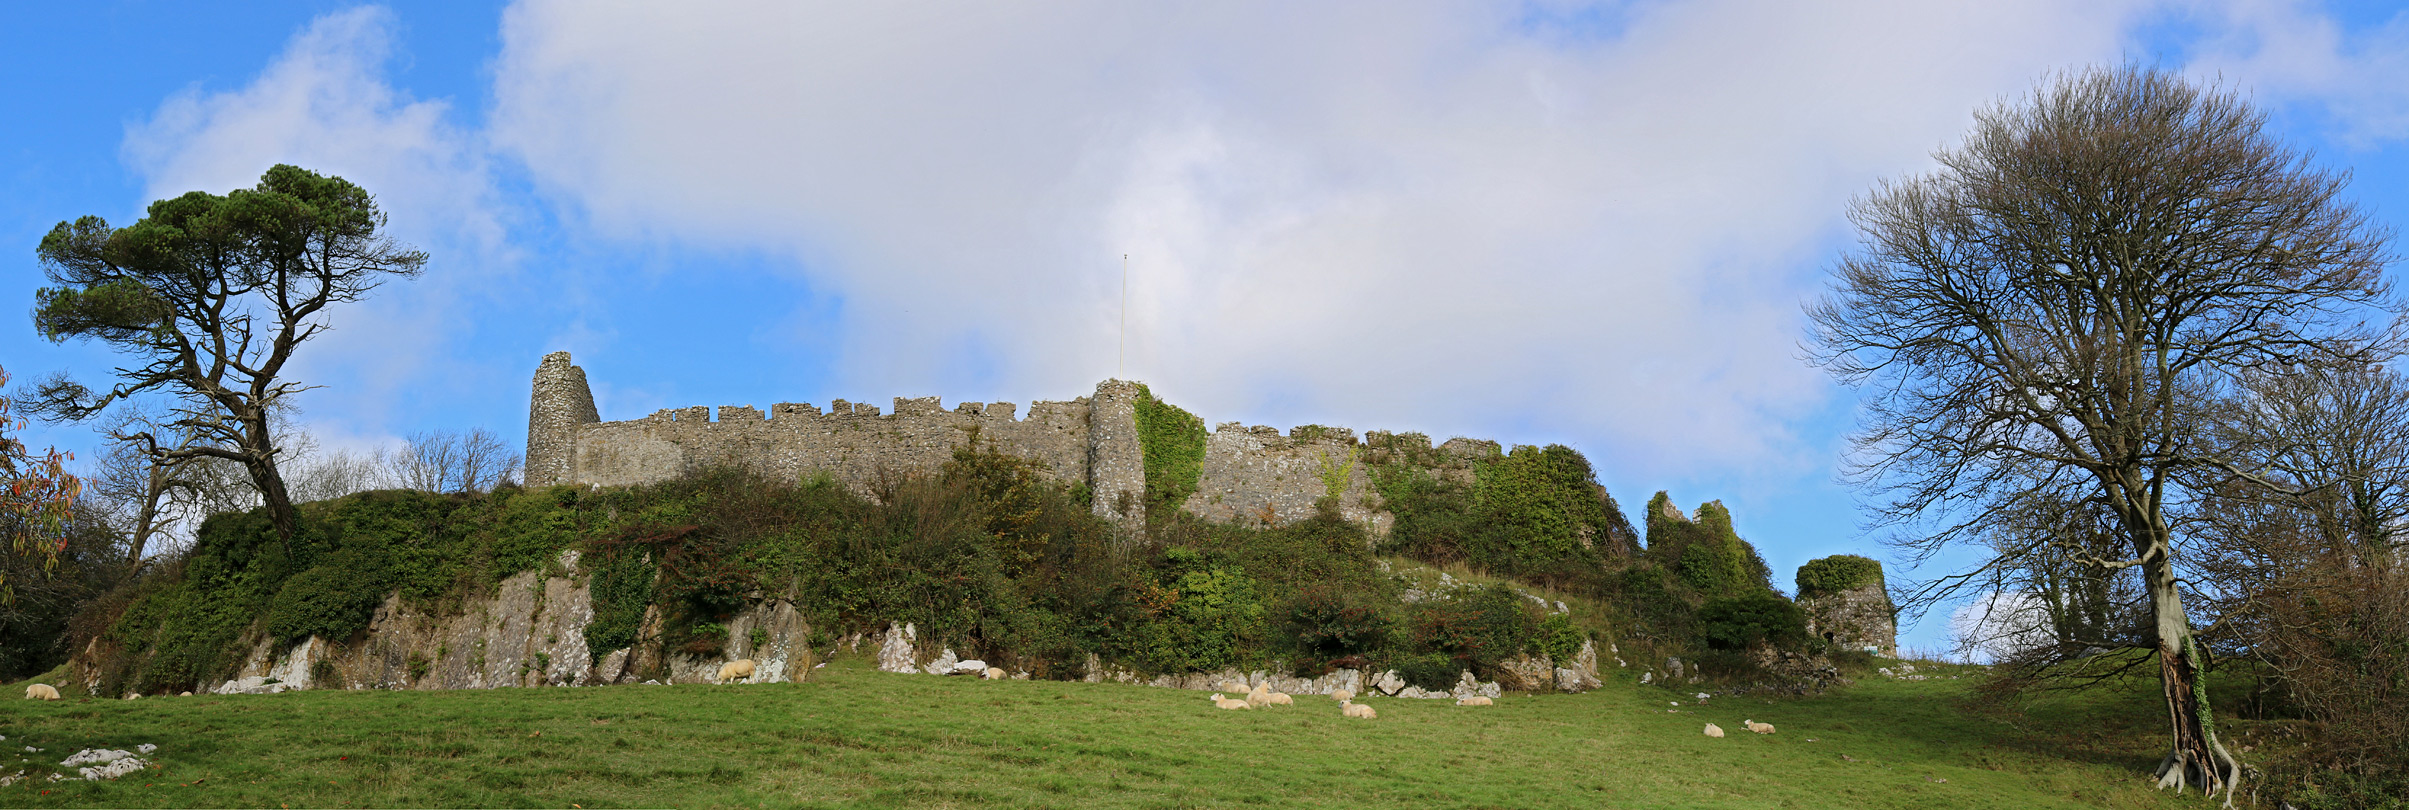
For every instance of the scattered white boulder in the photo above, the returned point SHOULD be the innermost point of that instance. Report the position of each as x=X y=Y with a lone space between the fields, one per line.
x=969 y=667
x=944 y=665
x=895 y=651
x=107 y=763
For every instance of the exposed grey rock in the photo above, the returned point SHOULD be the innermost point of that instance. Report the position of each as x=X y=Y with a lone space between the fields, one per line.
x=968 y=667
x=895 y=652
x=944 y=665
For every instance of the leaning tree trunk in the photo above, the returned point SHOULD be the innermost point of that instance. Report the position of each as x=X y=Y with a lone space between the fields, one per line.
x=259 y=449
x=2196 y=759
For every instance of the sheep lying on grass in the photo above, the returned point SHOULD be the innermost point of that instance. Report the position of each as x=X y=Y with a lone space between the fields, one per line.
x=1342 y=695
x=1220 y=702
x=1475 y=700
x=1353 y=709
x=740 y=668
x=1262 y=696
x=1760 y=728
x=1714 y=731
x=41 y=691
x=994 y=674
x=1232 y=686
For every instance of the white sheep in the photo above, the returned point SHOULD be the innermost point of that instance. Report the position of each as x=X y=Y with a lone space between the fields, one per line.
x=1353 y=709
x=1278 y=699
x=1475 y=700
x=1760 y=728
x=994 y=674
x=740 y=668
x=1714 y=731
x=1227 y=685
x=1342 y=695
x=1220 y=702
x=41 y=691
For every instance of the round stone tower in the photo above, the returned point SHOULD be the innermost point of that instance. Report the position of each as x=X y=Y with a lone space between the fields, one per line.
x=561 y=402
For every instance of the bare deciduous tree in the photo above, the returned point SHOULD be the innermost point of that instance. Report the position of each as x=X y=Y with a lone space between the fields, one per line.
x=2061 y=302
x=451 y=461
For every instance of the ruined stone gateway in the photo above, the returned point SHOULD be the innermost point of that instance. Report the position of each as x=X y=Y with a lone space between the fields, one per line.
x=1249 y=472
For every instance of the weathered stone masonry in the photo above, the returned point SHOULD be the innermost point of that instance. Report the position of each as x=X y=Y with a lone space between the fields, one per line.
x=1250 y=473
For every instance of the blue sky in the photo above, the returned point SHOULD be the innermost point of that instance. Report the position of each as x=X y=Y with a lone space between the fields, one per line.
x=1548 y=221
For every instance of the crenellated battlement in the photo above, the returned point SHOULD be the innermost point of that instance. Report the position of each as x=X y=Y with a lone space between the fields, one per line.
x=1250 y=472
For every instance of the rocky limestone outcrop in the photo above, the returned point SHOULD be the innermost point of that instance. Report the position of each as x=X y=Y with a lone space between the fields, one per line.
x=529 y=631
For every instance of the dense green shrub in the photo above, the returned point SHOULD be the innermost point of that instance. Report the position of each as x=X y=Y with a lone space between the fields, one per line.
x=1735 y=622
x=1437 y=672
x=331 y=600
x=1535 y=514
x=1707 y=554
x=1558 y=639
x=621 y=587
x=1334 y=623
x=1480 y=629
x=1839 y=572
x=1199 y=616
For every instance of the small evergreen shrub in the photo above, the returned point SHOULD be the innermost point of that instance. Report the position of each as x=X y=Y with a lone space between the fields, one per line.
x=1433 y=671
x=1558 y=639
x=1329 y=623
x=1736 y=622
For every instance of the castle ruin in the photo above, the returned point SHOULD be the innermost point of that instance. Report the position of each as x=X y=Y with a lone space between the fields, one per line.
x=1250 y=473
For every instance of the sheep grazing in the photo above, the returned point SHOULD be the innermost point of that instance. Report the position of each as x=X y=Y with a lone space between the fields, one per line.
x=740 y=668
x=1714 y=731
x=1220 y=702
x=41 y=691
x=1353 y=709
x=994 y=674
x=1475 y=700
x=1760 y=728
x=1342 y=695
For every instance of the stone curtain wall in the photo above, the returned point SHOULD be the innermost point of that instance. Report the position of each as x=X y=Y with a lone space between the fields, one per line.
x=853 y=442
x=1249 y=474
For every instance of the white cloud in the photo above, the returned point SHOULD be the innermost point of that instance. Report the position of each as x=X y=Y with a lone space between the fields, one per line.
x=325 y=104
x=1409 y=214
x=2290 y=50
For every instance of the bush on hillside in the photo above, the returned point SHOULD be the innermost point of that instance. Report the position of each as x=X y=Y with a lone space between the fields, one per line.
x=1736 y=622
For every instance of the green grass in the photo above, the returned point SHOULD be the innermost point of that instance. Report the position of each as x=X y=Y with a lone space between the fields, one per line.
x=860 y=737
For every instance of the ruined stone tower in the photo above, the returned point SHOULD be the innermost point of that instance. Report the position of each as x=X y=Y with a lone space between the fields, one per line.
x=561 y=402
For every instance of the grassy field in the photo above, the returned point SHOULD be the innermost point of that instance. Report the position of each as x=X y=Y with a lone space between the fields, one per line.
x=860 y=737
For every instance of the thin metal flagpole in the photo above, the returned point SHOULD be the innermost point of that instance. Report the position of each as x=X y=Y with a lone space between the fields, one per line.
x=1120 y=364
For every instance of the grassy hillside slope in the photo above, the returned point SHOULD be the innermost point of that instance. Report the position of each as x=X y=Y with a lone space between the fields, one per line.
x=857 y=737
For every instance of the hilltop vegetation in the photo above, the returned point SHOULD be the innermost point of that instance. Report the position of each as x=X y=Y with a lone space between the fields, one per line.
x=987 y=556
